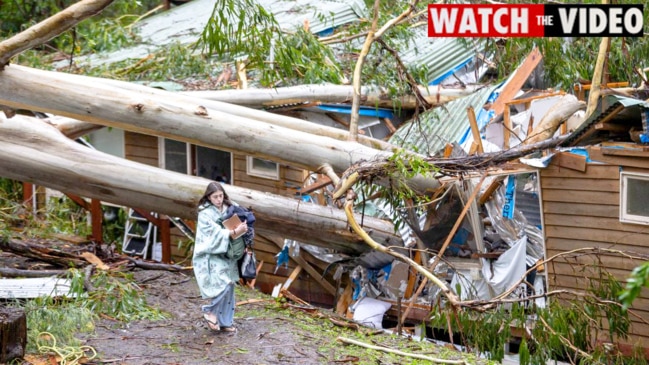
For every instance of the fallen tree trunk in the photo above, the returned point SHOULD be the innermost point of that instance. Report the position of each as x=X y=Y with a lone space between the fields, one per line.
x=34 y=151
x=560 y=112
x=166 y=114
x=7 y=272
x=370 y=96
x=42 y=253
x=72 y=128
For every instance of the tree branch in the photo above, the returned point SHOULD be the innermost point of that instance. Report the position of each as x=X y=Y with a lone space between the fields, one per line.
x=452 y=298
x=49 y=28
x=356 y=79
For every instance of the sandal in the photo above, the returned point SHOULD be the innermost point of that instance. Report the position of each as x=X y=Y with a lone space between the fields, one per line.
x=229 y=329
x=212 y=325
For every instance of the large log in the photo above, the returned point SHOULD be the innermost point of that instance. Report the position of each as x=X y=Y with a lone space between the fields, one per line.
x=34 y=151
x=370 y=96
x=184 y=119
x=559 y=113
x=42 y=253
x=165 y=114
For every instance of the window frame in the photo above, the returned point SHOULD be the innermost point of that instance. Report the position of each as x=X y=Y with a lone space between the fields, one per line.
x=627 y=217
x=252 y=171
x=162 y=157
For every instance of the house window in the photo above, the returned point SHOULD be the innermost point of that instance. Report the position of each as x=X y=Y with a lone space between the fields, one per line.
x=214 y=164
x=174 y=156
x=262 y=168
x=634 y=199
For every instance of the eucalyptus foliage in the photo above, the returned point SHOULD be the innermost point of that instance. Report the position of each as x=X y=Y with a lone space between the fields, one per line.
x=115 y=295
x=570 y=60
x=569 y=328
x=108 y=31
x=244 y=31
x=638 y=279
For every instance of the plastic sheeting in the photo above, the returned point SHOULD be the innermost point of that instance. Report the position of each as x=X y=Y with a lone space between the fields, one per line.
x=470 y=285
x=508 y=269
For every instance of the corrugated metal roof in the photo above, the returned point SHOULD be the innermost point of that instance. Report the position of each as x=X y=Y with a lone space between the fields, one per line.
x=322 y=14
x=610 y=102
x=440 y=55
x=438 y=126
x=184 y=24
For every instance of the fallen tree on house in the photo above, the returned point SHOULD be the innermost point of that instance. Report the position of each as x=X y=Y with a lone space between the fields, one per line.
x=170 y=115
x=34 y=151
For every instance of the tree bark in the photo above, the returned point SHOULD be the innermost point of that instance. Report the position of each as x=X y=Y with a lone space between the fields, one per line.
x=370 y=96
x=49 y=28
x=13 y=334
x=7 y=272
x=169 y=115
x=42 y=253
x=33 y=151
x=72 y=128
x=560 y=112
x=230 y=101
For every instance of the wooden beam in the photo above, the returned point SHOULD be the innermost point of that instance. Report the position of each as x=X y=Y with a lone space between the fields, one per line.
x=448 y=149
x=412 y=276
x=79 y=200
x=592 y=130
x=570 y=161
x=475 y=130
x=320 y=183
x=490 y=190
x=515 y=83
x=165 y=238
x=626 y=152
x=28 y=194
x=389 y=125
x=97 y=217
x=597 y=154
x=609 y=85
x=507 y=130
x=609 y=127
x=292 y=277
x=304 y=264
x=148 y=216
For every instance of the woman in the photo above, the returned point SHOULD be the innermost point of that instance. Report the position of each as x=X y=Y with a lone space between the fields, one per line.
x=215 y=258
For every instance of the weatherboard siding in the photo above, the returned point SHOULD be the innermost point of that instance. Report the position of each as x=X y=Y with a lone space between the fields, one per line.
x=580 y=210
x=141 y=148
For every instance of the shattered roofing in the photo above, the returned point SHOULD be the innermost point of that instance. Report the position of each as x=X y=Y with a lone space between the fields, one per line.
x=442 y=56
x=438 y=126
x=630 y=113
x=184 y=24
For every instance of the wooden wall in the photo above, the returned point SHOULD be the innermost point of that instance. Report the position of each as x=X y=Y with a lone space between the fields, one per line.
x=143 y=148
x=581 y=209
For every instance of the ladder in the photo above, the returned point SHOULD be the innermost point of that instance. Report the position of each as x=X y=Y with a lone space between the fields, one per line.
x=139 y=234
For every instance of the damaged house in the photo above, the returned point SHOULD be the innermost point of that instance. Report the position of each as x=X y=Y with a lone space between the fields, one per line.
x=487 y=232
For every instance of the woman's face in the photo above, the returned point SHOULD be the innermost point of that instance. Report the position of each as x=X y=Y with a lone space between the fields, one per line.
x=216 y=198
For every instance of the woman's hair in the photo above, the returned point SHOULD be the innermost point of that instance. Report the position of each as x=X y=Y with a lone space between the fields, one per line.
x=211 y=189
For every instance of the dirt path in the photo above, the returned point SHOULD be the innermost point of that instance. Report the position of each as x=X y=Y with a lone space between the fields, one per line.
x=184 y=339
x=269 y=332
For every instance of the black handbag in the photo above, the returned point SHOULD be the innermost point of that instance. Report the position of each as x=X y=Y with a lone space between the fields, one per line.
x=249 y=265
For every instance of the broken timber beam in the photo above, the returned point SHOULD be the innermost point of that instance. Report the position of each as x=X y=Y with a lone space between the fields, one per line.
x=306 y=266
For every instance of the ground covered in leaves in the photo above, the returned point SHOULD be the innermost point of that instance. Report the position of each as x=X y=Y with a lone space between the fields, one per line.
x=270 y=331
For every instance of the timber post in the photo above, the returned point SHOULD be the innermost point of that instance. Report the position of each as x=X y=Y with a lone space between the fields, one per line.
x=13 y=334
